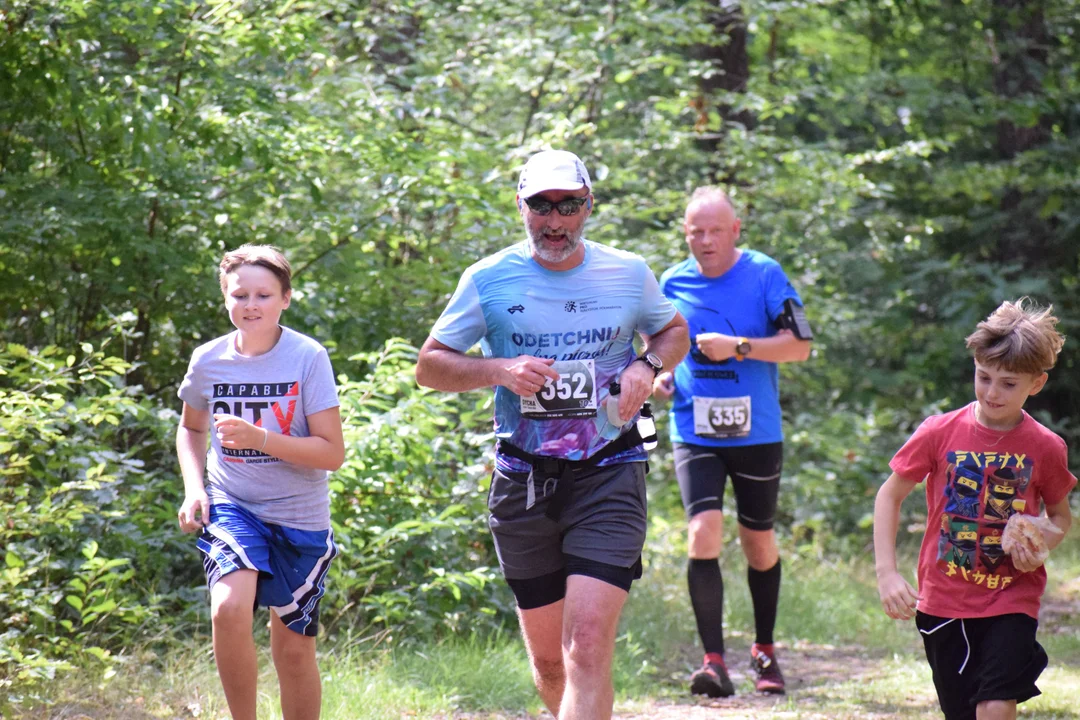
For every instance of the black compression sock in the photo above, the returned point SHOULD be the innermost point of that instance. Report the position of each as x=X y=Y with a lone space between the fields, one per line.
x=707 y=598
x=765 y=594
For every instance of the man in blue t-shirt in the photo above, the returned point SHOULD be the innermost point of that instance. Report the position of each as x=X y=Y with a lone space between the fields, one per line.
x=744 y=318
x=555 y=317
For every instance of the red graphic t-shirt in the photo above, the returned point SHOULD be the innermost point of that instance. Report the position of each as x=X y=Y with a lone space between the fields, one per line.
x=976 y=478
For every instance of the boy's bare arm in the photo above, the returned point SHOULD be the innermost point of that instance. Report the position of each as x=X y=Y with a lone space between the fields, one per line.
x=1061 y=515
x=323 y=449
x=898 y=598
x=191 y=439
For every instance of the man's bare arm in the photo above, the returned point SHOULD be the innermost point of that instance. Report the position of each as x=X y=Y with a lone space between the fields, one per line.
x=780 y=348
x=441 y=367
x=671 y=343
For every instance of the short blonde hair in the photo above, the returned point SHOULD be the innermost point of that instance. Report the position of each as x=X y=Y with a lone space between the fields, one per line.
x=1018 y=337
x=266 y=256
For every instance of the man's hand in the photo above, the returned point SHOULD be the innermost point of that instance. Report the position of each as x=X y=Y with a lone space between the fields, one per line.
x=636 y=382
x=663 y=386
x=238 y=434
x=525 y=375
x=195 y=512
x=898 y=598
x=717 y=346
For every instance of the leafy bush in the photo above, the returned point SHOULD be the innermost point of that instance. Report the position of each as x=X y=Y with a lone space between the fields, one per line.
x=89 y=489
x=407 y=506
x=74 y=442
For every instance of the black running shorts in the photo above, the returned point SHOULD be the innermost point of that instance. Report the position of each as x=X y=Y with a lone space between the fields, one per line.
x=604 y=521
x=702 y=472
x=977 y=659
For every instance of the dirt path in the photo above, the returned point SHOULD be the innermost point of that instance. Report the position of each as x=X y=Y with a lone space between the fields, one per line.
x=816 y=675
x=811 y=672
x=809 y=669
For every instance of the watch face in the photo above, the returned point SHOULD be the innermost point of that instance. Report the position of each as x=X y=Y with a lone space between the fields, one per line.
x=654 y=361
x=742 y=348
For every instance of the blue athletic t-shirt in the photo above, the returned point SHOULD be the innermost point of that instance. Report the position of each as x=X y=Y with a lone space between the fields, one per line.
x=585 y=318
x=728 y=403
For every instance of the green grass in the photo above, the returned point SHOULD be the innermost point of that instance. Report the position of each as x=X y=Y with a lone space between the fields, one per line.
x=849 y=659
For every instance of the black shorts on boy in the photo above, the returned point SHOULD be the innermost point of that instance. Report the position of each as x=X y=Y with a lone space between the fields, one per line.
x=978 y=659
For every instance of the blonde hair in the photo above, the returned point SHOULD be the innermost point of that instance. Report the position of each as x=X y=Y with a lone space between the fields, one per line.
x=266 y=256
x=1018 y=337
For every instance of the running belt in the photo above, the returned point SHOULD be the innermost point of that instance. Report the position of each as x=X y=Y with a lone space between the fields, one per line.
x=545 y=468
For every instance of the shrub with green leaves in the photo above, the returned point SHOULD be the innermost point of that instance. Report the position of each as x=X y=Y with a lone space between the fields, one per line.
x=74 y=446
x=407 y=506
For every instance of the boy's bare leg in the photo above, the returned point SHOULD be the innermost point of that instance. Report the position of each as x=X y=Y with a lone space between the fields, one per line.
x=297 y=671
x=542 y=629
x=996 y=710
x=232 y=611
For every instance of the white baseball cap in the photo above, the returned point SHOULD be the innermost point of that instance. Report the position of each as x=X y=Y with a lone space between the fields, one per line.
x=553 y=170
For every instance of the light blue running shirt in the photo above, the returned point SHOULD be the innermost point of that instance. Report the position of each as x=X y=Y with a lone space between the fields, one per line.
x=728 y=403
x=585 y=318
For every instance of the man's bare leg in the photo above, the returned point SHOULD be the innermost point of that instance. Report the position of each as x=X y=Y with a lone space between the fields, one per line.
x=542 y=629
x=590 y=623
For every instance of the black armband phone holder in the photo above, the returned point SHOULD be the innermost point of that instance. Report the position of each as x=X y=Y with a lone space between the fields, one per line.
x=794 y=319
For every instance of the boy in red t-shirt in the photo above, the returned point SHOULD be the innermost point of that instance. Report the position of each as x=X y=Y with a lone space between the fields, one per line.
x=978 y=608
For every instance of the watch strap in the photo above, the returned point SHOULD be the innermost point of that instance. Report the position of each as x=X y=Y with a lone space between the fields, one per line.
x=644 y=357
x=739 y=355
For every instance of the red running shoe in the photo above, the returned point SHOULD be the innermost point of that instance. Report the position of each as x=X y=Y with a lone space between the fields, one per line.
x=712 y=678
x=769 y=678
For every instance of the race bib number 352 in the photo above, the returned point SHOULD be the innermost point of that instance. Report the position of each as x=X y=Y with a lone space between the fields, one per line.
x=573 y=395
x=722 y=417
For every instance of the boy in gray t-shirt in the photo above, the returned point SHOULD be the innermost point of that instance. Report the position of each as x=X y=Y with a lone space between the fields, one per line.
x=259 y=497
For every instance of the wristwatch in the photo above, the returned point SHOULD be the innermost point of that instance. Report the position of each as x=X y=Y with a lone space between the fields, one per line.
x=742 y=348
x=653 y=361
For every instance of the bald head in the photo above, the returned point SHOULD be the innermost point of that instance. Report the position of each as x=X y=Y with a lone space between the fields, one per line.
x=708 y=194
x=712 y=231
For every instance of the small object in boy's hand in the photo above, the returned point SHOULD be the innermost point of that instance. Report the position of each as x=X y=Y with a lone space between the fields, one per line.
x=1027 y=531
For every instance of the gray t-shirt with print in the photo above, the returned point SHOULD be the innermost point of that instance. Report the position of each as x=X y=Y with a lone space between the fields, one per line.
x=277 y=390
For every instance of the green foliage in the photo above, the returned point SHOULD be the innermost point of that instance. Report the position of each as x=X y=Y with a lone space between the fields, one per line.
x=910 y=164
x=72 y=437
x=408 y=506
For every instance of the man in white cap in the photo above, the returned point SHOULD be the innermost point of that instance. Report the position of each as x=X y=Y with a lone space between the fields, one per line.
x=555 y=317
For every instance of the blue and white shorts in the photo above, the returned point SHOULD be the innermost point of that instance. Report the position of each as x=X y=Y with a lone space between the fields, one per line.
x=292 y=564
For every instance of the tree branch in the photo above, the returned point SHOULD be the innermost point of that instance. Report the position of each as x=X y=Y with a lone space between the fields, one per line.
x=342 y=243
x=534 y=104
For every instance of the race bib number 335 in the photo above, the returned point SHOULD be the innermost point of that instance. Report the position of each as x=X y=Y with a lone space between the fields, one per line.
x=573 y=395
x=722 y=417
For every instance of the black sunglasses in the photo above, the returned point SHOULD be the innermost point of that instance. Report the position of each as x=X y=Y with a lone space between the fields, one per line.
x=567 y=207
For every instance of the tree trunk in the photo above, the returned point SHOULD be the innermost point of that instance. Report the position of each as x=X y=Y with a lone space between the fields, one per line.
x=731 y=65
x=1020 y=46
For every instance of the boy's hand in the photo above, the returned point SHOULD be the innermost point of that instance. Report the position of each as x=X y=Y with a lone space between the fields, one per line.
x=194 y=513
x=238 y=434
x=1024 y=559
x=898 y=598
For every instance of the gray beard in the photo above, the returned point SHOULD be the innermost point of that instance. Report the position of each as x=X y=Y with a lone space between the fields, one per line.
x=551 y=255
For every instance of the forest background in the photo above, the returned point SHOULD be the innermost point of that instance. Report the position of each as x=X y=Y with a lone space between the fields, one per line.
x=910 y=164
